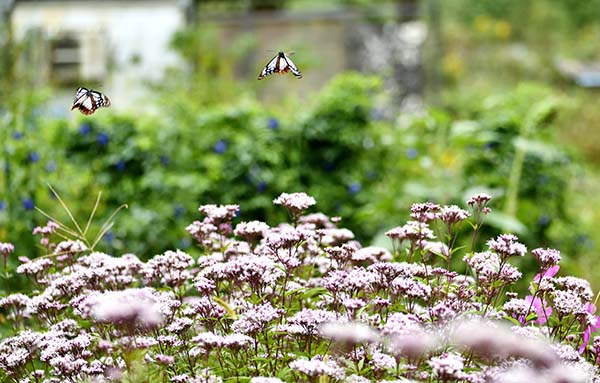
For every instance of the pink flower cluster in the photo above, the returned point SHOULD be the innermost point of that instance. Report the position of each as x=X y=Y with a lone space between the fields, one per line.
x=302 y=302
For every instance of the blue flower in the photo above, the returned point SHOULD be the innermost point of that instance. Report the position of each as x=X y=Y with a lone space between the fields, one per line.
x=184 y=243
x=120 y=165
x=164 y=160
x=33 y=157
x=51 y=167
x=178 y=210
x=28 y=204
x=220 y=146
x=17 y=135
x=109 y=236
x=544 y=220
x=2 y=205
x=412 y=153
x=102 y=139
x=354 y=187
x=329 y=166
x=273 y=123
x=84 y=129
x=261 y=186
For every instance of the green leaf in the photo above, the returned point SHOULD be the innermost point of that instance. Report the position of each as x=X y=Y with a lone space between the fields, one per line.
x=506 y=223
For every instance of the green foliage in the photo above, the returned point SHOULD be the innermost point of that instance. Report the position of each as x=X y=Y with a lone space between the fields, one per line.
x=338 y=150
x=445 y=159
x=226 y=154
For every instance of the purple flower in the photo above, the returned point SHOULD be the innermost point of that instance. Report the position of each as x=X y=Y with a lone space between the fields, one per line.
x=28 y=204
x=33 y=157
x=546 y=257
x=251 y=231
x=6 y=248
x=2 y=205
x=413 y=344
x=140 y=307
x=452 y=214
x=414 y=231
x=549 y=273
x=273 y=123
x=578 y=286
x=84 y=129
x=593 y=324
x=120 y=165
x=295 y=202
x=354 y=188
x=17 y=135
x=219 y=214
x=349 y=332
x=411 y=153
x=256 y=319
x=316 y=367
x=424 y=212
x=541 y=308
x=163 y=359
x=102 y=139
x=220 y=147
x=506 y=245
x=308 y=321
x=261 y=186
x=568 y=303
x=50 y=228
x=479 y=199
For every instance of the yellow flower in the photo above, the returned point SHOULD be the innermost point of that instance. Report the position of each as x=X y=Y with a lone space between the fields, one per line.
x=482 y=24
x=502 y=29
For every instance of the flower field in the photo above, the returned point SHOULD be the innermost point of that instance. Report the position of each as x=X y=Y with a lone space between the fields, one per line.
x=300 y=301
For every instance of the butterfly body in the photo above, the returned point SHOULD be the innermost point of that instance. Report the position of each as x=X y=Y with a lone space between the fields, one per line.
x=88 y=100
x=280 y=64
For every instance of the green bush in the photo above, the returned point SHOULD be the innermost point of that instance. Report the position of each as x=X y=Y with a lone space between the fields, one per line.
x=358 y=166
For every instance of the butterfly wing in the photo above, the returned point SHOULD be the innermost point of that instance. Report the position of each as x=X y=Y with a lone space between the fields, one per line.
x=100 y=99
x=80 y=96
x=80 y=92
x=87 y=101
x=292 y=67
x=270 y=68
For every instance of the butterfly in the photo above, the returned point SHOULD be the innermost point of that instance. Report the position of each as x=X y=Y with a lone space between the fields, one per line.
x=88 y=100
x=280 y=64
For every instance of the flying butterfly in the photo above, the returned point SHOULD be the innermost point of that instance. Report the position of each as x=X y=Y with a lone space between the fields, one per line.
x=88 y=100
x=280 y=64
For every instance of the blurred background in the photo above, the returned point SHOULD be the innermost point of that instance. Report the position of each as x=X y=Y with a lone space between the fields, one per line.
x=402 y=101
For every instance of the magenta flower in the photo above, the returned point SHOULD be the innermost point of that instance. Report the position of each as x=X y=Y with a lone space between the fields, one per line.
x=542 y=310
x=550 y=272
x=593 y=325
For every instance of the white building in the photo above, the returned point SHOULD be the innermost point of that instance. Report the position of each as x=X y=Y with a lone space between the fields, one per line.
x=112 y=45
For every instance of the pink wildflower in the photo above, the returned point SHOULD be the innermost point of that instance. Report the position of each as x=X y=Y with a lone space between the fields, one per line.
x=479 y=199
x=541 y=308
x=506 y=245
x=593 y=324
x=549 y=273
x=295 y=202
